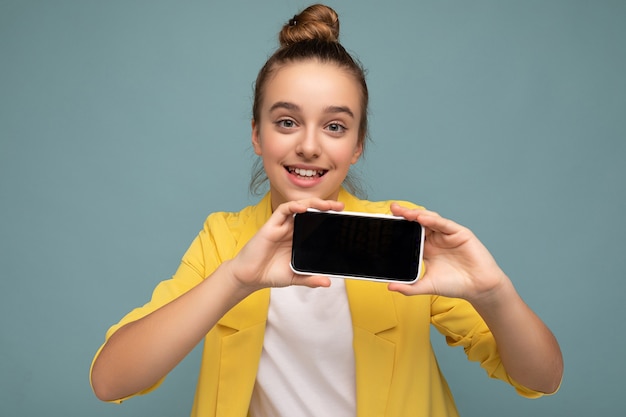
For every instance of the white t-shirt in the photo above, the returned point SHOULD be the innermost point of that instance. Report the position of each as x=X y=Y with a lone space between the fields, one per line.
x=307 y=364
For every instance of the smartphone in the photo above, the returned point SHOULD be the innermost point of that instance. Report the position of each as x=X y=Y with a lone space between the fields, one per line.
x=343 y=244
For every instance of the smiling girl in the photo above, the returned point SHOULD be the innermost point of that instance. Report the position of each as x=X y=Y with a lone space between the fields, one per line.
x=280 y=344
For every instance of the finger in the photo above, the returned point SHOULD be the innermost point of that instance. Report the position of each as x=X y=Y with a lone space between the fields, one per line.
x=323 y=205
x=410 y=213
x=300 y=206
x=420 y=287
x=436 y=223
x=311 y=281
x=429 y=219
x=283 y=214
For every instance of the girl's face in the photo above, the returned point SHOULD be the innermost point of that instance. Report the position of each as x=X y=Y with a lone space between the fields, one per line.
x=308 y=132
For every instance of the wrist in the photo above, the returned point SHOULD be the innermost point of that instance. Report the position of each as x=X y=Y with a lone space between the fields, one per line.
x=241 y=287
x=499 y=295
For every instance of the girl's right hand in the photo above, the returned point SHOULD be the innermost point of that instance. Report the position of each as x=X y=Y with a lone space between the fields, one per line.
x=264 y=260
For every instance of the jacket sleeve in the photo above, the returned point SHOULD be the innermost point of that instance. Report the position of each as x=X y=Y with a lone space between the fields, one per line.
x=462 y=326
x=201 y=259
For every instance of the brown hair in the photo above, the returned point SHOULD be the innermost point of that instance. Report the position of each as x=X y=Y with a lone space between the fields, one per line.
x=313 y=34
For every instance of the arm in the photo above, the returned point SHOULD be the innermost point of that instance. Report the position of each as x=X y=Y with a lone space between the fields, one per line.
x=139 y=354
x=458 y=265
x=529 y=351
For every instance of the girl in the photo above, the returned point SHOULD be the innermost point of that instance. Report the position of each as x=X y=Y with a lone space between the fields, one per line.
x=279 y=344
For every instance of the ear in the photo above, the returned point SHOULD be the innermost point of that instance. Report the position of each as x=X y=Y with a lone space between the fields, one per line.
x=256 y=140
x=358 y=151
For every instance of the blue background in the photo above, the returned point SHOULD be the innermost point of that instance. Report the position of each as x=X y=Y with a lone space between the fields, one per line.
x=124 y=123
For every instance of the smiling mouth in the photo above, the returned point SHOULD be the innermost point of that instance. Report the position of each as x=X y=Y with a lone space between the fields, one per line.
x=306 y=173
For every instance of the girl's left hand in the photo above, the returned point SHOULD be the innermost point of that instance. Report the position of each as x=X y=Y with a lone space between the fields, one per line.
x=457 y=263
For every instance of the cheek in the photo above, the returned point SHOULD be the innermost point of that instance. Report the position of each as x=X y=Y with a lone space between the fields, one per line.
x=347 y=154
x=270 y=147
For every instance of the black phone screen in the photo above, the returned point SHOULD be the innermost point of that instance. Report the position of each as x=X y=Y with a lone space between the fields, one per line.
x=359 y=246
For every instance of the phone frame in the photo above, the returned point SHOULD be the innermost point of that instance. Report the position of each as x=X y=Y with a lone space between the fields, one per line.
x=419 y=245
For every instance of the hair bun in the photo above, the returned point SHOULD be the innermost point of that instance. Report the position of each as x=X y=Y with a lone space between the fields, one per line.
x=316 y=22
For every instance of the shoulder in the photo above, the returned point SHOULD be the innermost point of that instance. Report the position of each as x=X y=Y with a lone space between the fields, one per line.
x=230 y=218
x=222 y=235
x=249 y=219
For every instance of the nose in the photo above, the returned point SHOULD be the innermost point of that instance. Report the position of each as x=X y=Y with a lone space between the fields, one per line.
x=309 y=146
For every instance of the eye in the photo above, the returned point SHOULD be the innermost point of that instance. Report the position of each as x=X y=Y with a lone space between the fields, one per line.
x=336 y=128
x=286 y=123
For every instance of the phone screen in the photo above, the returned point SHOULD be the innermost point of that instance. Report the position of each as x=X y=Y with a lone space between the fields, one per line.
x=357 y=245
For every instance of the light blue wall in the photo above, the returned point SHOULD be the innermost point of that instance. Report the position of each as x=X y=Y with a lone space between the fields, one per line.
x=124 y=123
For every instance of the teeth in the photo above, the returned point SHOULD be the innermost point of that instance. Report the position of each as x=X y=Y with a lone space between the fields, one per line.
x=307 y=172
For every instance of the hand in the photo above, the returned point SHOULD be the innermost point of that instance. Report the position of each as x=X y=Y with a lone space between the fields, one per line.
x=264 y=260
x=457 y=264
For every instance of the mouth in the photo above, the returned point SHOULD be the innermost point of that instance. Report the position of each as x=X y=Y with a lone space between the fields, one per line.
x=306 y=173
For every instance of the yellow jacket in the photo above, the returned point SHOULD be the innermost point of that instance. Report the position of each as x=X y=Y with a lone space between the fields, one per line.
x=396 y=370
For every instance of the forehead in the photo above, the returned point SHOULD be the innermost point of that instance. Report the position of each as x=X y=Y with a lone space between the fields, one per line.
x=312 y=83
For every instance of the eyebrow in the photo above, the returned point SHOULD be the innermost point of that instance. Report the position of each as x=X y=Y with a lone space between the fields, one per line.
x=284 y=105
x=330 y=109
x=339 y=109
